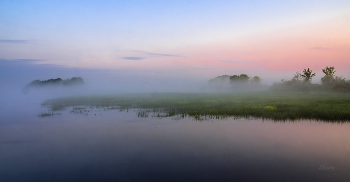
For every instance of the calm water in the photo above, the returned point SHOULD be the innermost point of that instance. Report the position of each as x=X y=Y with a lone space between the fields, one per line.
x=119 y=146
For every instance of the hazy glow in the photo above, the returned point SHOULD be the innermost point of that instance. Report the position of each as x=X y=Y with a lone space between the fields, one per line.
x=226 y=37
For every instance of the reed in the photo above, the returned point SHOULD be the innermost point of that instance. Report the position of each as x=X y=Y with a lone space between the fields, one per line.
x=268 y=105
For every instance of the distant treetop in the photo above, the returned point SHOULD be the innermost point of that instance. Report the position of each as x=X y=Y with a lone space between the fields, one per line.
x=53 y=82
x=220 y=78
x=57 y=81
x=242 y=78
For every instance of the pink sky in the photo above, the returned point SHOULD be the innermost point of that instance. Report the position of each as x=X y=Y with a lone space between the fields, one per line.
x=269 y=39
x=289 y=49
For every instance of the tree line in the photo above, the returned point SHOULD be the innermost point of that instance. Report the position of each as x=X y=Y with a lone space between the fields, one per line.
x=53 y=82
x=302 y=82
x=57 y=81
x=237 y=79
x=299 y=82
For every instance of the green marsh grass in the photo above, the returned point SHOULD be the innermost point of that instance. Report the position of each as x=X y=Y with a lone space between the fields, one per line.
x=266 y=105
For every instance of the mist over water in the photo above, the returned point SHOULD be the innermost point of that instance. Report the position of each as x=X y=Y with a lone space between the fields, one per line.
x=174 y=91
x=16 y=74
x=101 y=144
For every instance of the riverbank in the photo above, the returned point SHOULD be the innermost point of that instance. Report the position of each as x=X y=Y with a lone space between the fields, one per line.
x=266 y=105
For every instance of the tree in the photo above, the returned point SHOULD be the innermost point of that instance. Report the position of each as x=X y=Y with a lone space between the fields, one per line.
x=307 y=75
x=329 y=75
x=256 y=79
x=297 y=77
x=242 y=78
x=234 y=78
x=329 y=71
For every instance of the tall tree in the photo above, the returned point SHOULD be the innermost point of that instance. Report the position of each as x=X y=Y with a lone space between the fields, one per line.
x=329 y=75
x=307 y=75
x=329 y=71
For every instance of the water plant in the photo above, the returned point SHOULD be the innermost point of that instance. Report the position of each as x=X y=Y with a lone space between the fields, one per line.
x=270 y=105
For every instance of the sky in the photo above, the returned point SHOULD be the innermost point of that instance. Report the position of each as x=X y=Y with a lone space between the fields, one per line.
x=182 y=39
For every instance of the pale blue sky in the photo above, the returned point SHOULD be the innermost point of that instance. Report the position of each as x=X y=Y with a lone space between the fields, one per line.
x=132 y=22
x=100 y=34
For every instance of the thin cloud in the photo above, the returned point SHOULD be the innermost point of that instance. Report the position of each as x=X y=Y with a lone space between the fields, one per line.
x=234 y=62
x=8 y=41
x=157 y=54
x=133 y=58
x=319 y=48
x=205 y=61
x=22 y=61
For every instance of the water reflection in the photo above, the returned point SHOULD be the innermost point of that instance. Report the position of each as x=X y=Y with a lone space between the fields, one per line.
x=103 y=144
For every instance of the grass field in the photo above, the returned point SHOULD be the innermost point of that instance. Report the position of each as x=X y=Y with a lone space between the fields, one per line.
x=267 y=105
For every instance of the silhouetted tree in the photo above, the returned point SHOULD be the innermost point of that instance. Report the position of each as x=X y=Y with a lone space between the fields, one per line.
x=307 y=74
x=234 y=78
x=242 y=78
x=329 y=75
x=56 y=82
